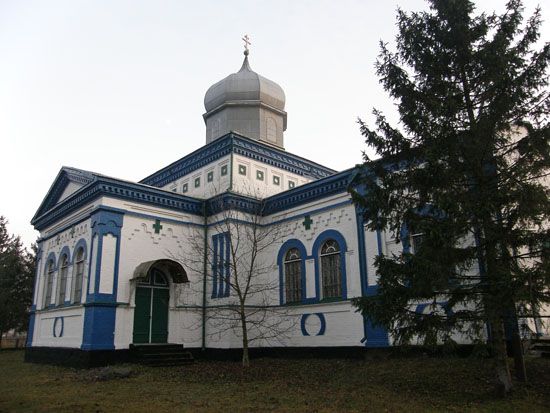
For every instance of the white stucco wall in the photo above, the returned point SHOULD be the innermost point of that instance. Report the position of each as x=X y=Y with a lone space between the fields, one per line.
x=69 y=327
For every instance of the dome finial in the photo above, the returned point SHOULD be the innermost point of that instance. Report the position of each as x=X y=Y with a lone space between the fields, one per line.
x=246 y=40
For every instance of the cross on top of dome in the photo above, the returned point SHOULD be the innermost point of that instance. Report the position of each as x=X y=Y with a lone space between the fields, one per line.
x=246 y=40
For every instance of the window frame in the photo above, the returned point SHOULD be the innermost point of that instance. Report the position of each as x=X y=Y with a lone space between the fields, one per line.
x=62 y=279
x=48 y=282
x=329 y=262
x=295 y=264
x=78 y=279
x=319 y=242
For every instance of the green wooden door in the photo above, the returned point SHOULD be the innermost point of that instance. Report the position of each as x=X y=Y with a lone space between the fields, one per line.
x=142 y=313
x=159 y=322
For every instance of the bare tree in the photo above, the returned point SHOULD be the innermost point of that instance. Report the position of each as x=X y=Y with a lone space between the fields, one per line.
x=235 y=254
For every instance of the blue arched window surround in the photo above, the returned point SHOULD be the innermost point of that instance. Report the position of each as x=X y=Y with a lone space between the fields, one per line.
x=80 y=265
x=291 y=243
x=325 y=236
x=63 y=276
x=80 y=244
x=64 y=251
x=49 y=274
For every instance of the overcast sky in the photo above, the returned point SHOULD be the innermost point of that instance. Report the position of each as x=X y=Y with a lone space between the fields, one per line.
x=117 y=87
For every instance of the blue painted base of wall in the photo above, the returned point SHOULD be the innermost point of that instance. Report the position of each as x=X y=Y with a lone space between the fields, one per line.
x=30 y=331
x=99 y=327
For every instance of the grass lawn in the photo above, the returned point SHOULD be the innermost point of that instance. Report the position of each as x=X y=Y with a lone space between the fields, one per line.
x=394 y=384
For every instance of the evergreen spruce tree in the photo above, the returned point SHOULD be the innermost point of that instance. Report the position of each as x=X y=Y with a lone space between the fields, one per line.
x=17 y=267
x=467 y=167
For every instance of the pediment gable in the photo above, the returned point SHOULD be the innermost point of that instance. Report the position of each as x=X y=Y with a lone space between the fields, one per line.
x=67 y=182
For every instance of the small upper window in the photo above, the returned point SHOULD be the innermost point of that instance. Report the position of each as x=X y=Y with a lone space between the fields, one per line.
x=242 y=170
x=197 y=182
x=210 y=176
x=276 y=180
x=223 y=170
x=260 y=175
x=185 y=188
x=291 y=184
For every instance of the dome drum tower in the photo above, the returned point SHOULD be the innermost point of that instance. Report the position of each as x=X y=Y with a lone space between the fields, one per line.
x=246 y=103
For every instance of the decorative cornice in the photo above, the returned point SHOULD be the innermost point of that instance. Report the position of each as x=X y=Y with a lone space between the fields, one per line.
x=113 y=188
x=233 y=201
x=65 y=175
x=103 y=186
x=240 y=145
x=307 y=193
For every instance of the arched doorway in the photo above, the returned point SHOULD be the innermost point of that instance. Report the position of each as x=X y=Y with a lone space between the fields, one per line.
x=152 y=299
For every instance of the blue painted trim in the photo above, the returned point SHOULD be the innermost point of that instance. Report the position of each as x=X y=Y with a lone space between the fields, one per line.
x=303 y=324
x=81 y=243
x=99 y=326
x=67 y=251
x=323 y=324
x=233 y=143
x=405 y=238
x=379 y=242
x=215 y=241
x=227 y=267
x=114 y=188
x=283 y=220
x=374 y=336
x=109 y=187
x=104 y=223
x=321 y=238
x=122 y=211
x=221 y=264
x=30 y=331
x=292 y=243
x=55 y=321
x=307 y=193
x=100 y=308
x=322 y=327
x=51 y=257
x=59 y=184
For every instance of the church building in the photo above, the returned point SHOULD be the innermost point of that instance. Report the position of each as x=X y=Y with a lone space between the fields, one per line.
x=118 y=263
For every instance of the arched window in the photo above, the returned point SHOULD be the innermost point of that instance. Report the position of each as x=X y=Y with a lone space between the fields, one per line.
x=293 y=276
x=78 y=275
x=50 y=271
x=331 y=269
x=62 y=284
